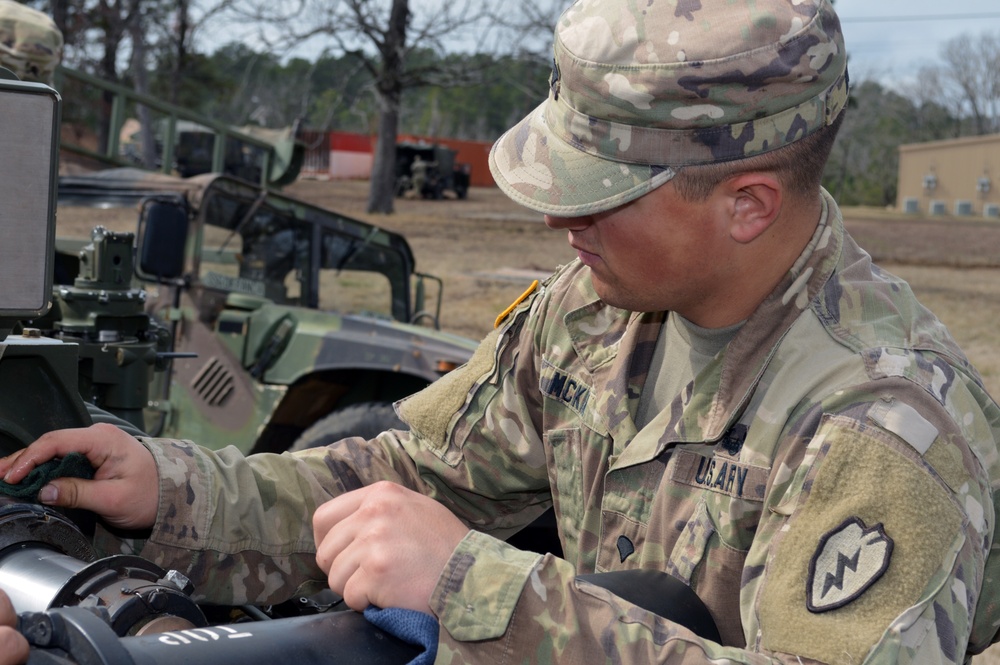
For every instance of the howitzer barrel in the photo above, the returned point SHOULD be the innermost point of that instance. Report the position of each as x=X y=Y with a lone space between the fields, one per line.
x=46 y=562
x=76 y=635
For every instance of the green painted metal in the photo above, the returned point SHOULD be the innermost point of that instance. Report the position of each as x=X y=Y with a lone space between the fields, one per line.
x=280 y=151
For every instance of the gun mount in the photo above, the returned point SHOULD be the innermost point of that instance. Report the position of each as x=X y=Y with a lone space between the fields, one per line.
x=120 y=345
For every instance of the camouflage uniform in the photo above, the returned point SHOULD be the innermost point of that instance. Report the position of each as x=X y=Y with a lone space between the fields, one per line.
x=824 y=484
x=841 y=406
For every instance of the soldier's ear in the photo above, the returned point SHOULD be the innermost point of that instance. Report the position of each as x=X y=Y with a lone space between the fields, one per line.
x=755 y=201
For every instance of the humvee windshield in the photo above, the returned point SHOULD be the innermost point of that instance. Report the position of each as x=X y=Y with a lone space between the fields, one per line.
x=268 y=245
x=265 y=244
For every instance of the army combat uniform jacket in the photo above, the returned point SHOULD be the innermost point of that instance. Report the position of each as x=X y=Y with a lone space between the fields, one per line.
x=824 y=484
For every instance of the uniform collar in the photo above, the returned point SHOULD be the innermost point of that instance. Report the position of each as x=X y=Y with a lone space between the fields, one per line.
x=724 y=388
x=745 y=359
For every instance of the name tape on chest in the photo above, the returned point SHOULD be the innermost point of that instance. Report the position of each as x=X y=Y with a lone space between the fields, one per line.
x=720 y=474
x=565 y=388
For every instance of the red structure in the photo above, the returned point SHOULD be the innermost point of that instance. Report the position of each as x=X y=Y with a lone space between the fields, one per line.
x=343 y=155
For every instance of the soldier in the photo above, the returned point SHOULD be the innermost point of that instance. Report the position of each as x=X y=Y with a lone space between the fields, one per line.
x=418 y=169
x=722 y=387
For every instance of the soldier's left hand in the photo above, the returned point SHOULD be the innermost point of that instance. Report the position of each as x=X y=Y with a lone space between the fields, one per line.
x=385 y=545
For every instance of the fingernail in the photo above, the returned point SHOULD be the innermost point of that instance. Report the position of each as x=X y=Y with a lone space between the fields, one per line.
x=48 y=494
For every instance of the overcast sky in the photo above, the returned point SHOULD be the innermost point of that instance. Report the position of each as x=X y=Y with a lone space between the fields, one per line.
x=888 y=40
x=891 y=39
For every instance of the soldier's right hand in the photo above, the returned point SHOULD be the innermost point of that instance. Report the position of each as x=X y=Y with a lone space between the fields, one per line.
x=125 y=488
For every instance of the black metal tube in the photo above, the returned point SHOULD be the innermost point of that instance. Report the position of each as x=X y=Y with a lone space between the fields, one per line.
x=77 y=636
x=331 y=638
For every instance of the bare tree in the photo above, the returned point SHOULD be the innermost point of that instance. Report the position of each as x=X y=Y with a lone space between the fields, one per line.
x=383 y=35
x=190 y=19
x=99 y=35
x=138 y=66
x=968 y=80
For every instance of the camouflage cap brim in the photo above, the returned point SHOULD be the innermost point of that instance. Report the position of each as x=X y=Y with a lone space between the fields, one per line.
x=543 y=172
x=636 y=94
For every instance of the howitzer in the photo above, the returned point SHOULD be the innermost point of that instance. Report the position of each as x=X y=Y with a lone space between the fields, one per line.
x=124 y=610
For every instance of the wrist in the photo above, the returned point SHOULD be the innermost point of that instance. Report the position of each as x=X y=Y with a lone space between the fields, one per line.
x=480 y=585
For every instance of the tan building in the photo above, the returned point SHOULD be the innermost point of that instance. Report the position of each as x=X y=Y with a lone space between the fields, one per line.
x=955 y=177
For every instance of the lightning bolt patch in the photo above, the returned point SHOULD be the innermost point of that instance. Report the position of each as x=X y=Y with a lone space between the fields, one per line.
x=848 y=560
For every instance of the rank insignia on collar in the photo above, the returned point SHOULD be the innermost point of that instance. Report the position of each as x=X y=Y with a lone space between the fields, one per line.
x=732 y=441
x=513 y=305
x=848 y=560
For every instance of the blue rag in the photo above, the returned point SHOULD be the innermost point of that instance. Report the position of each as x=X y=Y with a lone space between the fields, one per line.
x=411 y=626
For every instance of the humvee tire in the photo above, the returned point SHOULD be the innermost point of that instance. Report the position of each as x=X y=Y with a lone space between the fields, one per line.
x=365 y=419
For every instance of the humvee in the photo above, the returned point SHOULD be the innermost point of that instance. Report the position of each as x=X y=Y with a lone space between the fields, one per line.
x=254 y=287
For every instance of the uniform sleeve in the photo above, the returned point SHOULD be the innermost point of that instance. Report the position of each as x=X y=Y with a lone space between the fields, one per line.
x=871 y=550
x=497 y=605
x=877 y=548
x=241 y=527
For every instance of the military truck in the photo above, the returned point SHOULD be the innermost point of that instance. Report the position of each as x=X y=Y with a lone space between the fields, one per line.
x=429 y=171
x=252 y=286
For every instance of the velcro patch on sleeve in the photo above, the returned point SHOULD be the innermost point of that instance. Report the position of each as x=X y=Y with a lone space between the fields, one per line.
x=905 y=422
x=864 y=479
x=430 y=411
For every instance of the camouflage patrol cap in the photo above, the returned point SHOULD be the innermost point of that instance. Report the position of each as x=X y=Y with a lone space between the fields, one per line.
x=30 y=43
x=640 y=89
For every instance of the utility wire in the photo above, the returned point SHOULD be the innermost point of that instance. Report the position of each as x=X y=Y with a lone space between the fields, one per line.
x=924 y=17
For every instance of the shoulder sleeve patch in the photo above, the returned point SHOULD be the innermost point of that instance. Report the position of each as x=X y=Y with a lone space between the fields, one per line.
x=833 y=548
x=847 y=562
x=520 y=299
x=905 y=422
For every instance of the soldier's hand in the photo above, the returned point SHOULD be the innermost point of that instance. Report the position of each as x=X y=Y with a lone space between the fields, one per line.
x=385 y=545
x=13 y=646
x=125 y=488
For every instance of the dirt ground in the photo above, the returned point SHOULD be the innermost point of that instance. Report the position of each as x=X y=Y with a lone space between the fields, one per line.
x=486 y=249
